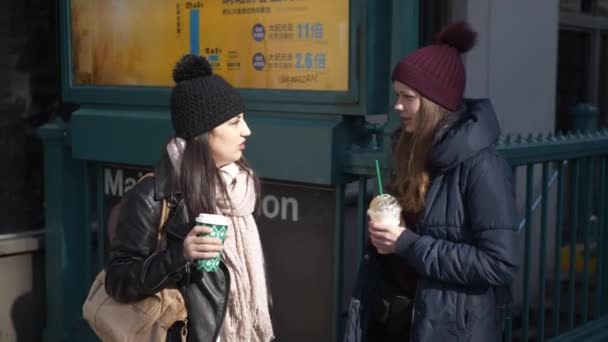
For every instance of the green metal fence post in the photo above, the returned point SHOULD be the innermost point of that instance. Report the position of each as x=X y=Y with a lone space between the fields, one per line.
x=65 y=259
x=97 y=171
x=558 y=247
x=602 y=212
x=361 y=240
x=525 y=321
x=507 y=333
x=543 y=248
x=574 y=222
x=604 y=241
x=339 y=264
x=586 y=211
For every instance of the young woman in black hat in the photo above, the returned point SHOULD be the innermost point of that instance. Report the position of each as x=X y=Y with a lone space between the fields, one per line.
x=202 y=170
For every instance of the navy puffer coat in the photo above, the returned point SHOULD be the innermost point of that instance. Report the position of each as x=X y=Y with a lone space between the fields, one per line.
x=466 y=243
x=466 y=248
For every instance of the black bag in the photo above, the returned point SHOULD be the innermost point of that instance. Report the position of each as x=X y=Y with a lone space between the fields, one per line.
x=377 y=311
x=390 y=308
x=358 y=312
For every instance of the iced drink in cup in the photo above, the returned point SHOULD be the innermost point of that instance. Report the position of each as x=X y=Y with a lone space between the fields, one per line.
x=385 y=209
x=219 y=228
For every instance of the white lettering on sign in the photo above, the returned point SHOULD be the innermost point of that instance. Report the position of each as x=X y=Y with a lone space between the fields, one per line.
x=287 y=208
x=115 y=183
x=112 y=186
x=273 y=207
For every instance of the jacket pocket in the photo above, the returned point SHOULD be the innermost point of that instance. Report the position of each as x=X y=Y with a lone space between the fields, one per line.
x=457 y=321
x=461 y=311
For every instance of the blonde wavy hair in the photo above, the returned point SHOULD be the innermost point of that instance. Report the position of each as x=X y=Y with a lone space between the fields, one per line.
x=411 y=156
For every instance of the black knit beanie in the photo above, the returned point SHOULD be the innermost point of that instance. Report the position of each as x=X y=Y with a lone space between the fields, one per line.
x=201 y=100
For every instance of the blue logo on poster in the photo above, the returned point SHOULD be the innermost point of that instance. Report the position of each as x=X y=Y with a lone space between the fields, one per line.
x=258 y=32
x=259 y=61
x=213 y=58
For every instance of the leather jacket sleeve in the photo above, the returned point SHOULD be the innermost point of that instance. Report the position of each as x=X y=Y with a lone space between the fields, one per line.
x=136 y=268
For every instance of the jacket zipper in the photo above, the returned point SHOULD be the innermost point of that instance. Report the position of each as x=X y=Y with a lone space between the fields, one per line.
x=187 y=268
x=185 y=329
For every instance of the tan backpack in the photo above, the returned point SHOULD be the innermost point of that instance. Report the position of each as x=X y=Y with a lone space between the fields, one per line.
x=144 y=320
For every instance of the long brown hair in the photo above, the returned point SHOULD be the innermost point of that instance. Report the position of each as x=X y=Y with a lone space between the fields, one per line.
x=199 y=177
x=411 y=156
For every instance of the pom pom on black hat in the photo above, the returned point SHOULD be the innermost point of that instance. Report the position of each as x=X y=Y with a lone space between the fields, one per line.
x=201 y=100
x=190 y=67
x=458 y=35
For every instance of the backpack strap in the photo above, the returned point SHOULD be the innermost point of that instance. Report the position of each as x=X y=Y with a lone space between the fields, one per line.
x=164 y=216
x=164 y=211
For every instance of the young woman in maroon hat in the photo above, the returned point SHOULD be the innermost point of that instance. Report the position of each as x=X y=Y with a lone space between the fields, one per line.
x=457 y=250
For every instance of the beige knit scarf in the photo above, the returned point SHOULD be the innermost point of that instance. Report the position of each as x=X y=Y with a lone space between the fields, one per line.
x=248 y=316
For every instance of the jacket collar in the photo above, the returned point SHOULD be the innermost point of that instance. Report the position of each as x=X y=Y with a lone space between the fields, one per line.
x=165 y=186
x=476 y=128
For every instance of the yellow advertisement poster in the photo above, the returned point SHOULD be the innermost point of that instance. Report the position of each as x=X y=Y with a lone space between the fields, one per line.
x=256 y=44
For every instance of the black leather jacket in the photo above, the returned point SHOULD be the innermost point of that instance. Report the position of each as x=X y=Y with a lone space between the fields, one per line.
x=138 y=267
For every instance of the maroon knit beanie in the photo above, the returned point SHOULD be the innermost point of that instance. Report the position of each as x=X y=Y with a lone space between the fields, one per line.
x=436 y=71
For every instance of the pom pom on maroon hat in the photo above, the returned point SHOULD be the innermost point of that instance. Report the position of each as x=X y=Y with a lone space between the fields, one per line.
x=458 y=35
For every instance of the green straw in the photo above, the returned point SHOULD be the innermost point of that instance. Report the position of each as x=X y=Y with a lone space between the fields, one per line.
x=379 y=177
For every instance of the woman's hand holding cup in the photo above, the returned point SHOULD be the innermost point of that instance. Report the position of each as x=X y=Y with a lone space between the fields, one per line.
x=384 y=236
x=201 y=247
x=384 y=228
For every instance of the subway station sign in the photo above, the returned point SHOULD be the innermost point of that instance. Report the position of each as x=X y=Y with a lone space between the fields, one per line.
x=255 y=44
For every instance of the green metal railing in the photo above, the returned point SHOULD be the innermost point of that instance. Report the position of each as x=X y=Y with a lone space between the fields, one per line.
x=566 y=202
x=564 y=213
x=575 y=164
